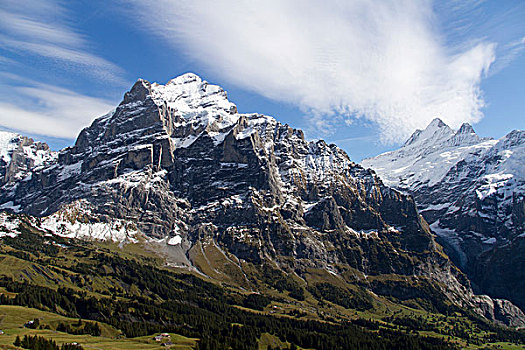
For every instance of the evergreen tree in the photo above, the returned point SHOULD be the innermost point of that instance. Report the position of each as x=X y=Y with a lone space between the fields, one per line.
x=17 y=342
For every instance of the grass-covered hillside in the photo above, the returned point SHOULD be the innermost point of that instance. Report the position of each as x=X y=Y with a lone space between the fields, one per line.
x=104 y=296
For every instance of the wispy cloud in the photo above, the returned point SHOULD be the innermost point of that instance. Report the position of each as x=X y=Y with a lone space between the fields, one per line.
x=467 y=22
x=510 y=52
x=38 y=34
x=33 y=29
x=42 y=29
x=47 y=110
x=387 y=61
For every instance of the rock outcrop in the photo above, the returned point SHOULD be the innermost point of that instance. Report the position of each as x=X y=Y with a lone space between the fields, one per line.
x=19 y=156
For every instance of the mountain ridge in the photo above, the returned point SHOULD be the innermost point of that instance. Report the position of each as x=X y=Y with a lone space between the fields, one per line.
x=177 y=164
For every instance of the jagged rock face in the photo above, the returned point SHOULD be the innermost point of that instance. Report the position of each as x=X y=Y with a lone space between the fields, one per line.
x=177 y=162
x=179 y=156
x=472 y=192
x=19 y=155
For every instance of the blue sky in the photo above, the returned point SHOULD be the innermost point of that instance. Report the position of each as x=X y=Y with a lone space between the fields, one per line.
x=361 y=74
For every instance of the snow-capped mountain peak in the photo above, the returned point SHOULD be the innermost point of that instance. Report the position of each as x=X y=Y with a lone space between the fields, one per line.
x=186 y=106
x=434 y=134
x=185 y=79
x=428 y=155
x=155 y=125
x=437 y=133
x=188 y=92
x=466 y=136
x=465 y=128
x=435 y=125
x=472 y=192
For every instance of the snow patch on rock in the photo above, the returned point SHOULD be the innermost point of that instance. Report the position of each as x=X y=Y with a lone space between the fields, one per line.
x=175 y=240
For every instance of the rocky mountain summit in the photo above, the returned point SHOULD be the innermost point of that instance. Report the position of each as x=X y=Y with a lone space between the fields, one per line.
x=472 y=192
x=221 y=191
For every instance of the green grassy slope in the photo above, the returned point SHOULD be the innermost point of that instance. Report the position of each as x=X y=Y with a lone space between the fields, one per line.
x=13 y=318
x=130 y=292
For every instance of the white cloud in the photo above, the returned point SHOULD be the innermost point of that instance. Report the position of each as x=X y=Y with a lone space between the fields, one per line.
x=41 y=28
x=42 y=31
x=384 y=60
x=53 y=111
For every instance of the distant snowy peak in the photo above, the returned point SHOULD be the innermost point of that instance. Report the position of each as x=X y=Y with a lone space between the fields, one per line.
x=515 y=138
x=466 y=136
x=460 y=175
x=435 y=131
x=428 y=155
x=471 y=191
x=466 y=129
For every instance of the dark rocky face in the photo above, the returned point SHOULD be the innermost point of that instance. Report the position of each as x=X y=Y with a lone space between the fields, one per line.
x=178 y=160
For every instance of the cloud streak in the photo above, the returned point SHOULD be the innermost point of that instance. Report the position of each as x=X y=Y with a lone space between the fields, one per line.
x=382 y=60
x=40 y=28
x=40 y=34
x=52 y=111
